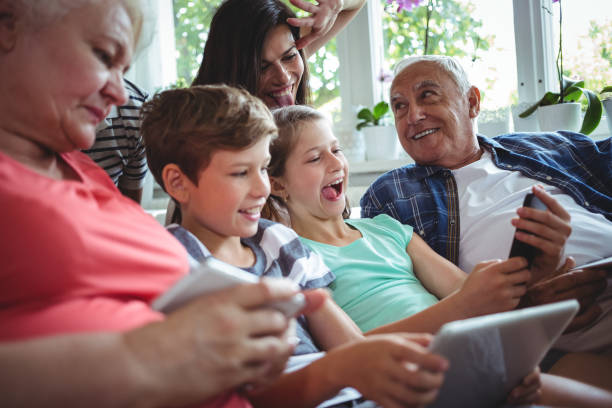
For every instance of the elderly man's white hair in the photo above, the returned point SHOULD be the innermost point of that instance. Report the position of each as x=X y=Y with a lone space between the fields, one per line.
x=446 y=63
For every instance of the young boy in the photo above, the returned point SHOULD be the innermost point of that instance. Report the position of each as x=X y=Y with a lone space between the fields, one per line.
x=208 y=147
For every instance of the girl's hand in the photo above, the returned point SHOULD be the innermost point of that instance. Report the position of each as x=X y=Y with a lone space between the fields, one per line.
x=395 y=370
x=494 y=286
x=321 y=19
x=547 y=231
x=528 y=391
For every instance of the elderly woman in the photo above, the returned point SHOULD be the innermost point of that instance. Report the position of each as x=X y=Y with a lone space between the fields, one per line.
x=80 y=262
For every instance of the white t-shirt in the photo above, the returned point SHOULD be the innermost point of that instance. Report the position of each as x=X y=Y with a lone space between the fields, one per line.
x=488 y=200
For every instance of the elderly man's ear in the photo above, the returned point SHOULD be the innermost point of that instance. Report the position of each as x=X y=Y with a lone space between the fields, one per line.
x=474 y=101
x=8 y=25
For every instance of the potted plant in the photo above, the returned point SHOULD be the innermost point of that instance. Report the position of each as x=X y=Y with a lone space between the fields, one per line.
x=606 y=100
x=380 y=138
x=555 y=107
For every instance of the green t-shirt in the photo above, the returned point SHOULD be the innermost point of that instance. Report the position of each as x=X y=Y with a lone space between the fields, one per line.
x=375 y=283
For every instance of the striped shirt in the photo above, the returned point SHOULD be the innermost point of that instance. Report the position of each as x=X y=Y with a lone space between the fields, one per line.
x=278 y=253
x=119 y=147
x=425 y=197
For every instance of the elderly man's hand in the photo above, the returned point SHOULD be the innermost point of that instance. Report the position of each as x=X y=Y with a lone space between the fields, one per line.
x=583 y=285
x=545 y=230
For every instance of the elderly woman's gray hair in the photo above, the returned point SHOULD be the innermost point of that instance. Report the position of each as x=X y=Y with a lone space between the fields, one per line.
x=39 y=13
x=446 y=63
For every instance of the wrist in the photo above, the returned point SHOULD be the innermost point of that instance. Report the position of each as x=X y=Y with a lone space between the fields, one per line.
x=143 y=366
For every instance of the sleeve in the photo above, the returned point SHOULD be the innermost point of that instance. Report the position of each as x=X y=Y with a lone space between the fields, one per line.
x=297 y=261
x=371 y=203
x=135 y=169
x=395 y=229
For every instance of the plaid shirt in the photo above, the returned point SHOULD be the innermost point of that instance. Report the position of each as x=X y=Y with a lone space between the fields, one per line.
x=425 y=197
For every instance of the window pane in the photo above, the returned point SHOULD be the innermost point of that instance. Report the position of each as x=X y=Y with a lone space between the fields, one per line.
x=324 y=82
x=191 y=24
x=587 y=41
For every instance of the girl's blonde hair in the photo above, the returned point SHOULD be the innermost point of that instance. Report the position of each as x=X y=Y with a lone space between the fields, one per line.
x=289 y=121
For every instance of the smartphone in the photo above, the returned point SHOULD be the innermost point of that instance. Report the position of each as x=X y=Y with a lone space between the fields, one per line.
x=519 y=248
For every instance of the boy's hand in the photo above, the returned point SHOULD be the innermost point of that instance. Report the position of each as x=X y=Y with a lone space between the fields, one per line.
x=547 y=231
x=394 y=370
x=528 y=391
x=494 y=286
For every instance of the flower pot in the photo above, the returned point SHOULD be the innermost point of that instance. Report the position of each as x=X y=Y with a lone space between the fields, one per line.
x=528 y=124
x=562 y=116
x=380 y=142
x=607 y=104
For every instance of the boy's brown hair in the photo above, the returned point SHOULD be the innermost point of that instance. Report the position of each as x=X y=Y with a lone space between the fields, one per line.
x=186 y=126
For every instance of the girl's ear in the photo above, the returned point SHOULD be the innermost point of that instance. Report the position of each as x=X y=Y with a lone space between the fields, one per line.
x=176 y=182
x=277 y=188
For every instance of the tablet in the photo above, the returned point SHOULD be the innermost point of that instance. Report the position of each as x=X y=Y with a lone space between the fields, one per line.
x=212 y=275
x=605 y=263
x=490 y=355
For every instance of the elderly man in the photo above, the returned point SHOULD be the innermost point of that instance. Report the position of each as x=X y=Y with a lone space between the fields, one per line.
x=465 y=188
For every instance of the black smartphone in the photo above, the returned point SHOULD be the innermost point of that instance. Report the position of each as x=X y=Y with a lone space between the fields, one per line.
x=520 y=248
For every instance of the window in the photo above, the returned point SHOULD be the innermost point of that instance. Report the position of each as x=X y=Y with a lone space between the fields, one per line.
x=587 y=41
x=478 y=33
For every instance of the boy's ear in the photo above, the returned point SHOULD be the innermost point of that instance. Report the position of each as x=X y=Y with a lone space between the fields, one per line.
x=8 y=25
x=175 y=182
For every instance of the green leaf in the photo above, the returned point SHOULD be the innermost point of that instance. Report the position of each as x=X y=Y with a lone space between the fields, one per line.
x=592 y=116
x=550 y=98
x=606 y=89
x=573 y=93
x=366 y=115
x=362 y=124
x=567 y=83
x=380 y=110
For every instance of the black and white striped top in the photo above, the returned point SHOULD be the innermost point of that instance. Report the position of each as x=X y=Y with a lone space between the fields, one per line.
x=278 y=253
x=119 y=148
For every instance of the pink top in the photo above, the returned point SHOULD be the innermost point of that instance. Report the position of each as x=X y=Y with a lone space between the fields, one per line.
x=78 y=256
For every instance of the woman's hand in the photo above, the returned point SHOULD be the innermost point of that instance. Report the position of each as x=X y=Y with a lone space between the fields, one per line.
x=545 y=230
x=216 y=343
x=494 y=286
x=395 y=370
x=528 y=391
x=320 y=21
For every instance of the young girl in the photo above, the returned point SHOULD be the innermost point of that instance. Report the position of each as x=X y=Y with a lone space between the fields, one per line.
x=384 y=272
x=387 y=278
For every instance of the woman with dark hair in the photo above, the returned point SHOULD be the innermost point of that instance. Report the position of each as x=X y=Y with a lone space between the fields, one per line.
x=260 y=45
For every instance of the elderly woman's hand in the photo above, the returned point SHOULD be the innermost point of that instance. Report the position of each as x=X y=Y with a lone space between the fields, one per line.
x=217 y=343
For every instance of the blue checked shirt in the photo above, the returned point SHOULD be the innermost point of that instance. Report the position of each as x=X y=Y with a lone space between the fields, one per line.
x=425 y=197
